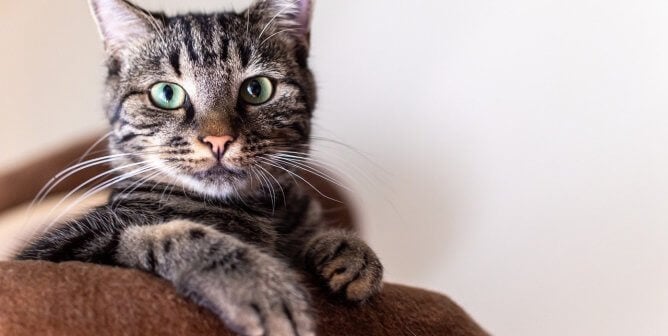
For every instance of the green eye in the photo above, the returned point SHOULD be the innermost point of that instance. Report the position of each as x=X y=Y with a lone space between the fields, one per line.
x=168 y=96
x=257 y=90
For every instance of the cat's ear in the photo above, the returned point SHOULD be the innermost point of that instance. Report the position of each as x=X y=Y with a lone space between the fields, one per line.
x=121 y=24
x=286 y=16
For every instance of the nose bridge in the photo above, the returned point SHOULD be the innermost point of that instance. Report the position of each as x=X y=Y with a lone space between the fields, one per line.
x=217 y=123
x=217 y=115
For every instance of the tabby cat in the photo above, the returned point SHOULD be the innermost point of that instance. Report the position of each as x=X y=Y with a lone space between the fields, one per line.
x=205 y=110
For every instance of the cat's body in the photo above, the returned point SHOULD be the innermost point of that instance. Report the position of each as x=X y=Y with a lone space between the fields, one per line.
x=210 y=116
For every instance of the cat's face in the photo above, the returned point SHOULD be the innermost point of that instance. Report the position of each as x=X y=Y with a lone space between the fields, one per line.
x=204 y=101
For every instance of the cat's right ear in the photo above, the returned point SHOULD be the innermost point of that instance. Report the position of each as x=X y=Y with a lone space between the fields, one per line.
x=121 y=24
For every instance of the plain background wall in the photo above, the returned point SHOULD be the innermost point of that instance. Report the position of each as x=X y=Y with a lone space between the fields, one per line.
x=519 y=146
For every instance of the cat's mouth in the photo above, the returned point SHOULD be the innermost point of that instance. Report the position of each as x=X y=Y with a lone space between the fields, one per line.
x=219 y=171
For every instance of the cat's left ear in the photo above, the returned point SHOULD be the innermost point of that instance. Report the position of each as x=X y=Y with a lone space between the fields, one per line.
x=292 y=17
x=122 y=24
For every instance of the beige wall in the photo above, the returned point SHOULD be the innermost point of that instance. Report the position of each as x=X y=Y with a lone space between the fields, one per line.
x=522 y=143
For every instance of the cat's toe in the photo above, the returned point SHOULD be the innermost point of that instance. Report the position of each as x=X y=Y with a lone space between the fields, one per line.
x=246 y=322
x=288 y=318
x=284 y=312
x=359 y=280
x=347 y=266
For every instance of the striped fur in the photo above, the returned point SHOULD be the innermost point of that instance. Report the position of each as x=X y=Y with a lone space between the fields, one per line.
x=228 y=234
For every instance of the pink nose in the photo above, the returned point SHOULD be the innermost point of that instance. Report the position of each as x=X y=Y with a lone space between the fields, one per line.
x=218 y=144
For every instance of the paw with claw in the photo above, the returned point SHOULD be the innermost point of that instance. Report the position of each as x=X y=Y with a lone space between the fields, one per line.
x=345 y=264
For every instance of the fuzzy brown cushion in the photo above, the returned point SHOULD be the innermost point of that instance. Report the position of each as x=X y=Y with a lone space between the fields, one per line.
x=41 y=298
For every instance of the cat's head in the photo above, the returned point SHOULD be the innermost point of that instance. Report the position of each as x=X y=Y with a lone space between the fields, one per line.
x=206 y=100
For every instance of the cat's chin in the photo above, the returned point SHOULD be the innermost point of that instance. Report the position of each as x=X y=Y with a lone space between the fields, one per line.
x=217 y=182
x=218 y=173
x=217 y=189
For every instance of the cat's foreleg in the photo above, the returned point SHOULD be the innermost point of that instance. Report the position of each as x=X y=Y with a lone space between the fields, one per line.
x=254 y=293
x=345 y=263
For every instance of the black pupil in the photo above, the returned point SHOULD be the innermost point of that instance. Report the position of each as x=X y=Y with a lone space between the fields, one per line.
x=254 y=88
x=168 y=92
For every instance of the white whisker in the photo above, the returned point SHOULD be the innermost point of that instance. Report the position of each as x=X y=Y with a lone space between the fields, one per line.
x=49 y=186
x=75 y=190
x=277 y=183
x=134 y=187
x=99 y=141
x=97 y=189
x=304 y=166
x=301 y=178
x=271 y=190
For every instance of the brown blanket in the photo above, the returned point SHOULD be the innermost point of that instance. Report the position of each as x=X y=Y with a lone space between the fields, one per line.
x=40 y=298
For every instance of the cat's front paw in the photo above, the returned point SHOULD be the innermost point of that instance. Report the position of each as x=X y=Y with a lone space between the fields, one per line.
x=345 y=264
x=252 y=292
x=264 y=301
